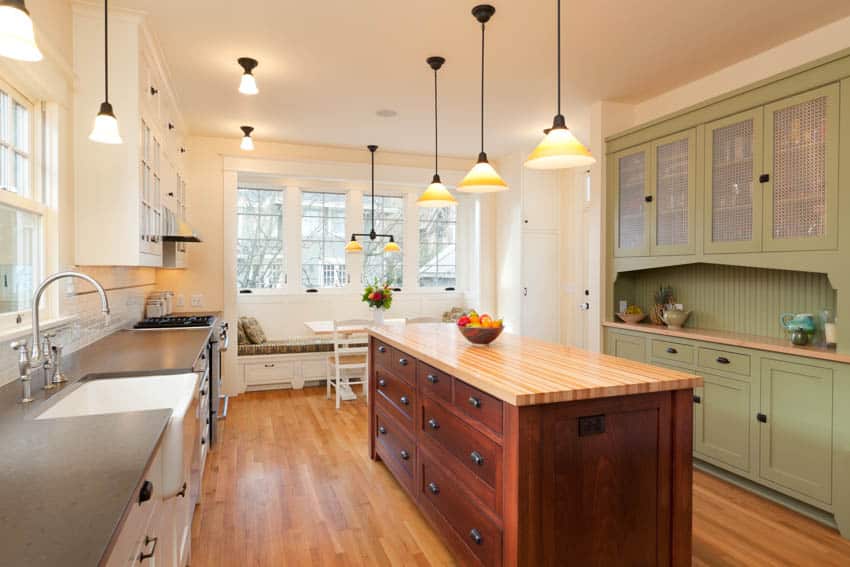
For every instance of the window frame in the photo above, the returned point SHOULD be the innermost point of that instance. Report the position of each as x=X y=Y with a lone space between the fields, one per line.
x=399 y=237
x=284 y=283
x=346 y=195
x=420 y=243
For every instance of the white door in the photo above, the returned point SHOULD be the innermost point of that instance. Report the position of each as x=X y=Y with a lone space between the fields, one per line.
x=540 y=271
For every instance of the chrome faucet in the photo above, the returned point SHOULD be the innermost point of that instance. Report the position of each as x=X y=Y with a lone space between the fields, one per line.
x=24 y=369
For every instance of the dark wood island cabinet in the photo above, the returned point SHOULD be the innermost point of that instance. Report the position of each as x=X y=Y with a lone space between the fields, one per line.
x=530 y=453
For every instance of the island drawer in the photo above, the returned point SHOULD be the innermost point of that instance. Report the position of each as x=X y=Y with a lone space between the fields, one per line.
x=395 y=361
x=479 y=406
x=394 y=444
x=472 y=526
x=724 y=361
x=671 y=351
x=400 y=395
x=434 y=382
x=479 y=455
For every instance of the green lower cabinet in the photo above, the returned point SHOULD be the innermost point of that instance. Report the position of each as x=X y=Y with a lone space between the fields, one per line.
x=722 y=421
x=795 y=428
x=625 y=345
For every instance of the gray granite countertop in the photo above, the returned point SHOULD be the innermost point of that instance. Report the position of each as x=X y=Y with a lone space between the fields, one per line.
x=65 y=483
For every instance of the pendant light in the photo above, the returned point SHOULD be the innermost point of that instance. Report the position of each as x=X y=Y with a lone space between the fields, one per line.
x=17 y=40
x=248 y=84
x=436 y=195
x=247 y=141
x=482 y=178
x=560 y=149
x=105 y=129
x=353 y=245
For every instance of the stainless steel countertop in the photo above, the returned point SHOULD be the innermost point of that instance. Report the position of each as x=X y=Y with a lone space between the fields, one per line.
x=66 y=483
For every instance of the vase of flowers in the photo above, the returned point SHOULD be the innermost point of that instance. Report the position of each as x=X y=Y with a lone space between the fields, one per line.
x=379 y=297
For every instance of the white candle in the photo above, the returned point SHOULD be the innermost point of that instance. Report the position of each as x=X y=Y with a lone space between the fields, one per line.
x=830 y=333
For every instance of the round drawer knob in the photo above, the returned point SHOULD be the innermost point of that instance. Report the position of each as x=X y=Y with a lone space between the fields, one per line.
x=474 y=402
x=433 y=488
x=382 y=349
x=402 y=361
x=433 y=423
x=404 y=400
x=382 y=382
x=404 y=454
x=382 y=430
x=433 y=378
x=476 y=458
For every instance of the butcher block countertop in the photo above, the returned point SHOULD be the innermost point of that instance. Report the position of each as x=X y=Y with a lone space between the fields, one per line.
x=523 y=371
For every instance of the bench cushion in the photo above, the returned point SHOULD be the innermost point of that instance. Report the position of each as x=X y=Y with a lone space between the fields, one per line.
x=285 y=347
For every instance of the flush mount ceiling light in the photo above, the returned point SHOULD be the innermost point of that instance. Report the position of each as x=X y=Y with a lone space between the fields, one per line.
x=560 y=149
x=436 y=195
x=17 y=40
x=248 y=85
x=247 y=141
x=105 y=129
x=482 y=178
x=353 y=245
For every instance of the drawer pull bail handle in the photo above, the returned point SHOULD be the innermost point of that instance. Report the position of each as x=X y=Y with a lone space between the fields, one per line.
x=671 y=350
x=474 y=402
x=722 y=360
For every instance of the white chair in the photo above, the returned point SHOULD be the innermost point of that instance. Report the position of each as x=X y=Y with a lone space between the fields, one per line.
x=350 y=356
x=423 y=320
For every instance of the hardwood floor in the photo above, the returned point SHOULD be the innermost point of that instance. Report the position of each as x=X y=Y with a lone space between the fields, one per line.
x=291 y=483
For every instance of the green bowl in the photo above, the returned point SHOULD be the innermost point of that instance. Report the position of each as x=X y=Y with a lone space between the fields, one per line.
x=481 y=335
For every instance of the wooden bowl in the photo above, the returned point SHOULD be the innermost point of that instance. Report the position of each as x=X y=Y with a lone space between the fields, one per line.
x=632 y=318
x=481 y=335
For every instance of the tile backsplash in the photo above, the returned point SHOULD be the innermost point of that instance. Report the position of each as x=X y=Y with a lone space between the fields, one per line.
x=126 y=289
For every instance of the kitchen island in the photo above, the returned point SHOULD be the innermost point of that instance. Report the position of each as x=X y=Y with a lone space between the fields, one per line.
x=531 y=453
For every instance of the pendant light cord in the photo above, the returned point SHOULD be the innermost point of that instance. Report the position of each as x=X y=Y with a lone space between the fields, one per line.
x=106 y=49
x=373 y=191
x=482 y=87
x=559 y=57
x=436 y=129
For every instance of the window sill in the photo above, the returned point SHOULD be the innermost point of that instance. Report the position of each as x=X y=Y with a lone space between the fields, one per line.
x=25 y=329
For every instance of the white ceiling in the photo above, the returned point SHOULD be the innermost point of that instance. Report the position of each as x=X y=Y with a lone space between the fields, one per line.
x=326 y=67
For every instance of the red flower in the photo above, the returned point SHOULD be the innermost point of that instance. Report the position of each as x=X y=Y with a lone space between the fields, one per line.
x=378 y=296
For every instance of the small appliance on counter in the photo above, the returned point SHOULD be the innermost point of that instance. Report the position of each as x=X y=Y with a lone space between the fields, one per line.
x=159 y=304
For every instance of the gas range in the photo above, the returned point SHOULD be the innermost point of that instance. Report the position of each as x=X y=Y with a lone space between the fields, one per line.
x=175 y=322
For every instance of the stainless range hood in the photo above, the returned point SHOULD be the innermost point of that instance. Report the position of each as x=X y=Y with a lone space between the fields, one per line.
x=182 y=233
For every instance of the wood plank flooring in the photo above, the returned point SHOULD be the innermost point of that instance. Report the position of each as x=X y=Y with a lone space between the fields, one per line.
x=291 y=483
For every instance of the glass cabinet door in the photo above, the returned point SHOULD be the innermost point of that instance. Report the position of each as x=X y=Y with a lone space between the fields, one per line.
x=733 y=202
x=801 y=159
x=631 y=184
x=673 y=187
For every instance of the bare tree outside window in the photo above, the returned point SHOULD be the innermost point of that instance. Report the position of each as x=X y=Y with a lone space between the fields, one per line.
x=437 y=239
x=389 y=219
x=323 y=240
x=260 y=257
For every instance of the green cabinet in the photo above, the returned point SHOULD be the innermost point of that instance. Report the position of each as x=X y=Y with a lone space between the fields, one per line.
x=627 y=345
x=722 y=421
x=631 y=171
x=673 y=194
x=795 y=433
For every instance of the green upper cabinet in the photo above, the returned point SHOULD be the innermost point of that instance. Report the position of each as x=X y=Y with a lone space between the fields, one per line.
x=733 y=195
x=801 y=159
x=631 y=188
x=673 y=184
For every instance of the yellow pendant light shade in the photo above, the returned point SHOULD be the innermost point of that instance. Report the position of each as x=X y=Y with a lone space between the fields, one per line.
x=17 y=40
x=391 y=246
x=560 y=149
x=482 y=178
x=353 y=246
x=436 y=195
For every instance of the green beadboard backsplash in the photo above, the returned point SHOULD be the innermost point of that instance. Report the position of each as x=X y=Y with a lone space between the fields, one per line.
x=731 y=298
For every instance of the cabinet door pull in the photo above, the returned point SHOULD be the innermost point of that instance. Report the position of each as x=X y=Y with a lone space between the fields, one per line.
x=761 y=417
x=402 y=361
x=671 y=350
x=648 y=198
x=764 y=178
x=145 y=492
x=148 y=540
x=475 y=536
x=433 y=378
x=433 y=423
x=382 y=430
x=404 y=455
x=404 y=400
x=182 y=493
x=474 y=402
x=271 y=365
x=722 y=360
x=382 y=382
x=476 y=458
x=697 y=400
x=382 y=349
x=433 y=488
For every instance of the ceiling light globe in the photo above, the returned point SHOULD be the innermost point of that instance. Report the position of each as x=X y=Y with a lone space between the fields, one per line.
x=436 y=196
x=248 y=85
x=482 y=178
x=560 y=149
x=247 y=144
x=17 y=40
x=105 y=130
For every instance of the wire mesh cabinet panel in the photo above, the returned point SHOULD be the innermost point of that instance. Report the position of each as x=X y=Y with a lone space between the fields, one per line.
x=733 y=193
x=673 y=182
x=631 y=189
x=801 y=158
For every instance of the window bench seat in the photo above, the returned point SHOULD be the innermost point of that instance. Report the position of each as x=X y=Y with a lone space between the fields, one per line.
x=289 y=363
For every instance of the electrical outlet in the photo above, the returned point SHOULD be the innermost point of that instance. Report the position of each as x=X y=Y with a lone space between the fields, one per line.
x=197 y=300
x=181 y=300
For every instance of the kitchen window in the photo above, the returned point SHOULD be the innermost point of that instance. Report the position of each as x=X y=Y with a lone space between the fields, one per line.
x=323 y=240
x=437 y=246
x=389 y=219
x=21 y=208
x=260 y=258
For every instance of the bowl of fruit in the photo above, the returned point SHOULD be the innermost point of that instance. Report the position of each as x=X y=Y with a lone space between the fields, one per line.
x=633 y=314
x=479 y=329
